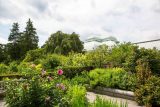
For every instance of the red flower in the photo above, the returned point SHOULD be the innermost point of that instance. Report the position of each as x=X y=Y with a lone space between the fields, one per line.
x=60 y=72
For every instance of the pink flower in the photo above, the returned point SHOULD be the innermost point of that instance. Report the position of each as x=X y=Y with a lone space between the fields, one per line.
x=60 y=72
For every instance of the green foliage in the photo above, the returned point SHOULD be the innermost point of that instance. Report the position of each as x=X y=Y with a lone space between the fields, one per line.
x=34 y=55
x=97 y=57
x=99 y=102
x=51 y=61
x=82 y=79
x=2 y=53
x=112 y=78
x=77 y=96
x=72 y=71
x=149 y=93
x=35 y=92
x=143 y=71
x=152 y=56
x=13 y=48
x=13 y=67
x=3 y=69
x=77 y=59
x=26 y=68
x=62 y=43
x=29 y=39
x=124 y=55
x=15 y=33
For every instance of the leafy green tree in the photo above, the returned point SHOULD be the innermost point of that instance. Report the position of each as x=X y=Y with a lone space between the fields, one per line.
x=152 y=56
x=63 y=43
x=124 y=55
x=98 y=57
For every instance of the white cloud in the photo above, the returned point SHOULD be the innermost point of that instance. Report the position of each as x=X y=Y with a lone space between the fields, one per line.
x=3 y=41
x=128 y=20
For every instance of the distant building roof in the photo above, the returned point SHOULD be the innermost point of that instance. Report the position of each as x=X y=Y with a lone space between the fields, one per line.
x=97 y=39
x=93 y=42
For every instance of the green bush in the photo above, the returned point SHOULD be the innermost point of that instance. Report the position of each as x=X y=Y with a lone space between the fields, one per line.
x=3 y=68
x=13 y=67
x=36 y=92
x=112 y=78
x=53 y=61
x=25 y=68
x=77 y=96
x=33 y=55
x=81 y=79
x=149 y=93
x=72 y=71
x=77 y=59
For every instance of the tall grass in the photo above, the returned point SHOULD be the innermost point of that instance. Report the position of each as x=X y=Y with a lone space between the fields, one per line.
x=99 y=102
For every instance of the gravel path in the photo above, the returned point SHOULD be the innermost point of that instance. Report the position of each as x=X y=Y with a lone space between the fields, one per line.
x=2 y=103
x=92 y=96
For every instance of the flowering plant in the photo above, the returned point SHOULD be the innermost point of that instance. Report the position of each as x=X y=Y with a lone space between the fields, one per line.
x=60 y=72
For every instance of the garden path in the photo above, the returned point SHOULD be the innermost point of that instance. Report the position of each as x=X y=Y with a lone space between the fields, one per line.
x=92 y=96
x=2 y=103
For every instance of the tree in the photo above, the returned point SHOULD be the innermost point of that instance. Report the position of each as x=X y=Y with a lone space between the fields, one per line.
x=63 y=43
x=124 y=55
x=14 y=34
x=29 y=39
x=13 y=48
x=2 y=54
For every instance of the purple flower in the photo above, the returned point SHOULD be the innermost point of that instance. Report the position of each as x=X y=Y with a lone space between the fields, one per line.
x=61 y=86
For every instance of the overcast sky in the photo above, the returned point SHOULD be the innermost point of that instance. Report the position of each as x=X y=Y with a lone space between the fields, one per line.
x=127 y=20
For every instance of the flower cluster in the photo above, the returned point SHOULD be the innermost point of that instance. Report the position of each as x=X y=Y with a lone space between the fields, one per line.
x=61 y=86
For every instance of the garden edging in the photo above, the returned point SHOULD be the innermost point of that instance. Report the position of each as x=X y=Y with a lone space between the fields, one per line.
x=114 y=92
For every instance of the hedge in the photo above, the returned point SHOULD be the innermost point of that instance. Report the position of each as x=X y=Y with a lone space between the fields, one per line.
x=72 y=71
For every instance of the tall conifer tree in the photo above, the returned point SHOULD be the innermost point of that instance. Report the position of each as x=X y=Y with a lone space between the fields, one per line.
x=13 y=47
x=29 y=38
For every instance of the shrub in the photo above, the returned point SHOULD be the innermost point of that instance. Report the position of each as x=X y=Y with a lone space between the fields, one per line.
x=81 y=79
x=112 y=78
x=72 y=71
x=77 y=59
x=53 y=61
x=149 y=93
x=77 y=96
x=143 y=71
x=26 y=68
x=39 y=67
x=36 y=92
x=33 y=55
x=3 y=68
x=13 y=67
